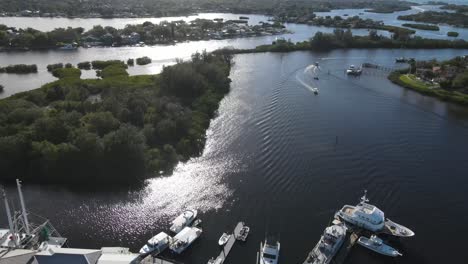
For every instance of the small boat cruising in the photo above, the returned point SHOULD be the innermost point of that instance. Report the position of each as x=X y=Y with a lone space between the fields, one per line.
x=328 y=245
x=353 y=70
x=224 y=239
x=156 y=244
x=269 y=252
x=184 y=239
x=183 y=220
x=315 y=91
x=370 y=217
x=376 y=244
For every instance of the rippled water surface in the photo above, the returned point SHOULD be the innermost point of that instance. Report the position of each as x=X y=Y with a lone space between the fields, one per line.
x=283 y=160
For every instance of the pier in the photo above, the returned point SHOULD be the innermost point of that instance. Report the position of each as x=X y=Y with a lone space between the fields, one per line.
x=228 y=246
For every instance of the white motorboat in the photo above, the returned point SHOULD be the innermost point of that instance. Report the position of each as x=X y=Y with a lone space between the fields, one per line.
x=156 y=244
x=353 y=70
x=315 y=90
x=329 y=243
x=183 y=220
x=224 y=239
x=184 y=239
x=269 y=253
x=376 y=244
x=370 y=217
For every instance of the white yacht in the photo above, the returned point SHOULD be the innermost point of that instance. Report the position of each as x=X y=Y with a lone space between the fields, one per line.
x=376 y=244
x=329 y=243
x=363 y=215
x=184 y=239
x=269 y=253
x=370 y=217
x=183 y=220
x=224 y=239
x=156 y=244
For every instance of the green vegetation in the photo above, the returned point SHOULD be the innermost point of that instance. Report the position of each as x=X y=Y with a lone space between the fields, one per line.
x=19 y=69
x=452 y=34
x=409 y=81
x=454 y=19
x=388 y=9
x=86 y=65
x=52 y=67
x=116 y=130
x=458 y=8
x=63 y=73
x=143 y=60
x=422 y=26
x=341 y=39
x=99 y=65
x=357 y=22
x=130 y=62
x=447 y=80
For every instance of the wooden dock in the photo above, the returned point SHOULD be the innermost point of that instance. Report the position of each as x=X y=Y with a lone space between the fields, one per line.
x=156 y=260
x=228 y=246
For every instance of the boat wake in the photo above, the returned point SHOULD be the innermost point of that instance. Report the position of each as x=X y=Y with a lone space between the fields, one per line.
x=301 y=77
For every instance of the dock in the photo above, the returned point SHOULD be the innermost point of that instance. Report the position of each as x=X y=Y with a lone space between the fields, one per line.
x=228 y=246
x=156 y=260
x=348 y=244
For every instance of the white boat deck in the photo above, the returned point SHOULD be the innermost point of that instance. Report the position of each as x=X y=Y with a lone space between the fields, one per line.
x=184 y=239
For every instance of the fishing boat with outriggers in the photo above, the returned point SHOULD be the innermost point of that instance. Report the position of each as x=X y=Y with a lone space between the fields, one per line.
x=376 y=244
x=369 y=217
x=328 y=245
x=183 y=220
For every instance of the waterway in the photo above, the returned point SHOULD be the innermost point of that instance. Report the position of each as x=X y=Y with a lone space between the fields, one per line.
x=284 y=160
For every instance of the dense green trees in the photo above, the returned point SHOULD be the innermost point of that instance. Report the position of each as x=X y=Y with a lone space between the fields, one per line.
x=19 y=68
x=455 y=19
x=118 y=129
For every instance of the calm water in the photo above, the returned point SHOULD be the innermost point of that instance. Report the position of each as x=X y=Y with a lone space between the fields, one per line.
x=273 y=160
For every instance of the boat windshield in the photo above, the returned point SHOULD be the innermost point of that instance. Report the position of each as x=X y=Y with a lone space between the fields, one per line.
x=269 y=256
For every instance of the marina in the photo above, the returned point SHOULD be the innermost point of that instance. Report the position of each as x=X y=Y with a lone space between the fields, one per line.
x=226 y=249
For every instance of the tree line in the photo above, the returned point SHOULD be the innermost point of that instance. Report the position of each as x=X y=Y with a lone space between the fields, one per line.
x=120 y=129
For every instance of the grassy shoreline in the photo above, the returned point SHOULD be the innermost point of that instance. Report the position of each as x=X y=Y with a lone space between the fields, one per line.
x=408 y=81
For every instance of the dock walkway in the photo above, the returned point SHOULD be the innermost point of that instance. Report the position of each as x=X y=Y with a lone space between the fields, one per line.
x=228 y=246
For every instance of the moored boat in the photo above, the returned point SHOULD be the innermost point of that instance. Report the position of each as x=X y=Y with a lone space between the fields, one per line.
x=353 y=70
x=224 y=239
x=184 y=239
x=156 y=244
x=269 y=252
x=376 y=244
x=243 y=233
x=328 y=245
x=183 y=220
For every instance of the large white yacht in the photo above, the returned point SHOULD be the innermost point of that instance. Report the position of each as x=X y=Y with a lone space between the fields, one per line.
x=329 y=243
x=183 y=220
x=368 y=216
x=269 y=253
x=363 y=215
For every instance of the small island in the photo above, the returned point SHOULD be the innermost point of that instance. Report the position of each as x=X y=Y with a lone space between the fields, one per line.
x=116 y=130
x=454 y=19
x=447 y=80
x=422 y=26
x=452 y=34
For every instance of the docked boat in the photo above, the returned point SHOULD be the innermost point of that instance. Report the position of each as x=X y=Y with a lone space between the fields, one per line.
x=70 y=46
x=243 y=233
x=328 y=245
x=376 y=244
x=269 y=252
x=353 y=70
x=156 y=244
x=370 y=217
x=183 y=220
x=184 y=239
x=224 y=239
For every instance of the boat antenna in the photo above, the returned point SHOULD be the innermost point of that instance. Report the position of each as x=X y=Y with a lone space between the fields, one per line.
x=8 y=213
x=23 y=207
x=364 y=197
